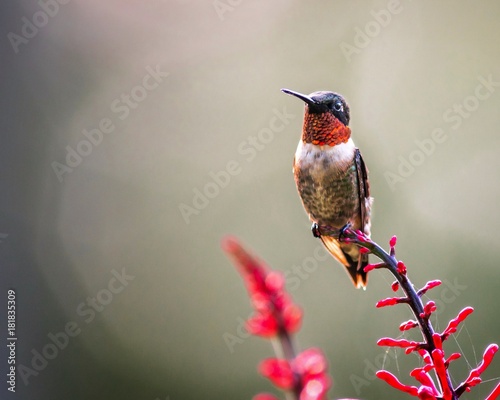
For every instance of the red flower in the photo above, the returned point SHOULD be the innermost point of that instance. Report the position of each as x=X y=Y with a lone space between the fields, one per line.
x=264 y=396
x=394 y=382
x=423 y=377
x=275 y=282
x=310 y=362
x=454 y=356
x=426 y=393
x=401 y=268
x=452 y=326
x=409 y=345
x=312 y=367
x=292 y=318
x=440 y=368
x=408 y=325
x=371 y=267
x=278 y=372
x=315 y=388
x=262 y=324
x=474 y=375
x=429 y=308
x=309 y=368
x=391 y=301
x=364 y=250
x=429 y=285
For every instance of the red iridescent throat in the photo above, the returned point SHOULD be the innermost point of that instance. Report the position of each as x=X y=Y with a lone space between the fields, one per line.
x=324 y=129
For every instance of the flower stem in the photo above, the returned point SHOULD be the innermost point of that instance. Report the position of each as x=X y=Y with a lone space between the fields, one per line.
x=283 y=347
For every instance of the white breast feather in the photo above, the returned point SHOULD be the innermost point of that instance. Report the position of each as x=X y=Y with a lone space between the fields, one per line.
x=309 y=155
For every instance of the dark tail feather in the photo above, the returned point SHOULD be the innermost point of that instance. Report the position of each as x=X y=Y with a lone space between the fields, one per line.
x=356 y=270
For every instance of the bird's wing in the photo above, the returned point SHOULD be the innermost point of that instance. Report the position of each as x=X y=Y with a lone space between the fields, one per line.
x=363 y=187
x=356 y=270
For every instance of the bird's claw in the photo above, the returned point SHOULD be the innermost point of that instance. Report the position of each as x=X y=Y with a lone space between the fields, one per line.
x=343 y=229
x=315 y=230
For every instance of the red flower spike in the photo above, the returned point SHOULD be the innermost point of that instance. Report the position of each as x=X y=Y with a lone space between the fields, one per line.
x=264 y=396
x=278 y=372
x=392 y=242
x=275 y=309
x=364 y=250
x=395 y=383
x=401 y=268
x=405 y=326
x=494 y=394
x=277 y=316
x=390 y=301
x=452 y=326
x=395 y=286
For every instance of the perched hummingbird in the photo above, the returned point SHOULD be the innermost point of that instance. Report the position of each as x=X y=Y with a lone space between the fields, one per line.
x=332 y=179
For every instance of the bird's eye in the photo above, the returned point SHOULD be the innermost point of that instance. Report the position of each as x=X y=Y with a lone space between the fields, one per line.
x=338 y=106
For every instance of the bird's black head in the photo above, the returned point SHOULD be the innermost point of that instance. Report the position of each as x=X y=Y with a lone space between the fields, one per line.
x=321 y=102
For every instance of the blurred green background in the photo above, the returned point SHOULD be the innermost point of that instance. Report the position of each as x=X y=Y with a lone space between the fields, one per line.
x=188 y=89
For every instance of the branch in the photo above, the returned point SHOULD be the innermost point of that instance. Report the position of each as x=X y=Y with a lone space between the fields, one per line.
x=431 y=348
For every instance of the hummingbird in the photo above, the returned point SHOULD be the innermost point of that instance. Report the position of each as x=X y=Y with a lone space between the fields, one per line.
x=332 y=179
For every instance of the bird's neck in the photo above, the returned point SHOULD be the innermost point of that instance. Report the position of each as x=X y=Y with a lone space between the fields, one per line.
x=324 y=129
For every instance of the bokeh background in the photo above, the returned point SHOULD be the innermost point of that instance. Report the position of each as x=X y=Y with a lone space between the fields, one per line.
x=131 y=205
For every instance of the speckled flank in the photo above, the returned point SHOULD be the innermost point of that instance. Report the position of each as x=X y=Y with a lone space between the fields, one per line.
x=327 y=183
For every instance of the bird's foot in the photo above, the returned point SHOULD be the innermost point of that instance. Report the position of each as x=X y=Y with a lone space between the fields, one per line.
x=315 y=230
x=343 y=229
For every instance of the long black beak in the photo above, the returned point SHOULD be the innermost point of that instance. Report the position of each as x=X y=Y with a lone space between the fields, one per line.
x=301 y=96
